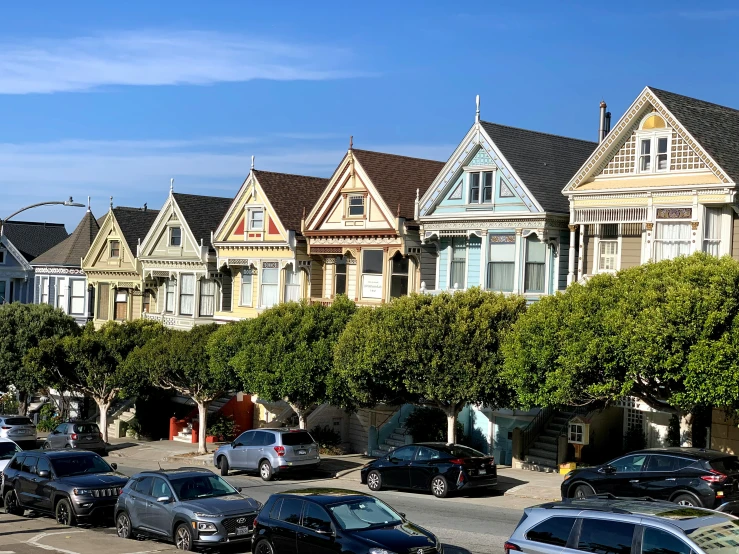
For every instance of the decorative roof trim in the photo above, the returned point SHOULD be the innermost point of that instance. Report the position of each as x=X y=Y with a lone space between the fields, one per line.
x=20 y=258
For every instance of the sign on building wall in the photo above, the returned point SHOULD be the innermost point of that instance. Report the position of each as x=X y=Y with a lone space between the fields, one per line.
x=372 y=286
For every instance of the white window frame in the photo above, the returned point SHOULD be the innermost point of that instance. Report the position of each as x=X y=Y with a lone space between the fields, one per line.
x=656 y=241
x=598 y=250
x=481 y=190
x=526 y=262
x=452 y=249
x=171 y=236
x=110 y=249
x=247 y=271
x=250 y=223
x=262 y=284
x=721 y=233
x=170 y=287
x=72 y=296
x=349 y=206
x=287 y=285
x=44 y=286
x=209 y=282
x=653 y=138
x=190 y=295
x=345 y=273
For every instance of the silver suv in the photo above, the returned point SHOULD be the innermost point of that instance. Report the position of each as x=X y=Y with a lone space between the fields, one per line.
x=605 y=524
x=269 y=451
x=84 y=436
x=18 y=428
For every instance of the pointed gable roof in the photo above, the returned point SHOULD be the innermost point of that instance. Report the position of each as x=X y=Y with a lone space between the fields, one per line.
x=289 y=194
x=397 y=178
x=134 y=224
x=715 y=127
x=544 y=162
x=32 y=238
x=71 y=250
x=203 y=214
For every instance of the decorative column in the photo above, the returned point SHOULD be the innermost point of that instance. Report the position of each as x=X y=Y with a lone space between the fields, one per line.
x=650 y=242
x=581 y=252
x=571 y=259
x=695 y=245
x=517 y=263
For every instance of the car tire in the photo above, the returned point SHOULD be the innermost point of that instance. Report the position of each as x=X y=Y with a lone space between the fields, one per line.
x=265 y=470
x=687 y=500
x=67 y=446
x=46 y=446
x=11 y=504
x=263 y=547
x=183 y=537
x=223 y=465
x=63 y=513
x=439 y=487
x=374 y=481
x=583 y=490
x=123 y=526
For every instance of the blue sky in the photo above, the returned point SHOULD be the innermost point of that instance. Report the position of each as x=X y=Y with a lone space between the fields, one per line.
x=102 y=98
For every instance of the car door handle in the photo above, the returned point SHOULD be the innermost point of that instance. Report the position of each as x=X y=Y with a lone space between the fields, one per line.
x=633 y=480
x=671 y=479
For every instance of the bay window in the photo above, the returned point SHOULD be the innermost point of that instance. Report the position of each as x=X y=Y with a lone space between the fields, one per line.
x=270 y=291
x=340 y=276
x=207 y=297
x=292 y=284
x=672 y=239
x=372 y=261
x=712 y=231
x=247 y=287
x=535 y=268
x=187 y=294
x=501 y=265
x=399 y=276
x=459 y=263
x=608 y=247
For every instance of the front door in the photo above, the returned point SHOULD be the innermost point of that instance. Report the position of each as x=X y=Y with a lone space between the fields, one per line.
x=624 y=476
x=26 y=486
x=160 y=514
x=423 y=467
x=396 y=472
x=316 y=532
x=239 y=450
x=285 y=532
x=43 y=486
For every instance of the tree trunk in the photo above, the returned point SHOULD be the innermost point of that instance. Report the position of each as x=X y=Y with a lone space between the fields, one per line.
x=22 y=403
x=452 y=412
x=202 y=423
x=301 y=413
x=103 y=407
x=686 y=429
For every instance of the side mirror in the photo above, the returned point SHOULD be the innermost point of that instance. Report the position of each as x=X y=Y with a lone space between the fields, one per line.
x=607 y=469
x=164 y=499
x=44 y=474
x=239 y=489
x=55 y=432
x=114 y=466
x=401 y=514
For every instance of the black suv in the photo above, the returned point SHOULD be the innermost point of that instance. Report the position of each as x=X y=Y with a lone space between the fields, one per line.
x=686 y=476
x=70 y=485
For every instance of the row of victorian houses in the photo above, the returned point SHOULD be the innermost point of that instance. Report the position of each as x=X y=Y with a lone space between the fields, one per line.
x=511 y=210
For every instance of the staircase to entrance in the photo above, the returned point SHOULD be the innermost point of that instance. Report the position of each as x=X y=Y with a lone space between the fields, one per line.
x=541 y=439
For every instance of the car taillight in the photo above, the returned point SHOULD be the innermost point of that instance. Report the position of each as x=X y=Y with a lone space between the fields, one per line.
x=457 y=461
x=73 y=436
x=280 y=450
x=254 y=523
x=5 y=427
x=715 y=477
x=508 y=546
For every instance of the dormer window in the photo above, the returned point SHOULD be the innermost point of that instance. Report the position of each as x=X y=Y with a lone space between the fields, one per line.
x=482 y=179
x=175 y=236
x=115 y=249
x=256 y=220
x=2 y=256
x=654 y=145
x=355 y=205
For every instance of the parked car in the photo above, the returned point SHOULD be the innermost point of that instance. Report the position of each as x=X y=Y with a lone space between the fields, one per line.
x=431 y=466
x=18 y=428
x=189 y=506
x=686 y=476
x=335 y=520
x=8 y=448
x=70 y=485
x=611 y=525
x=269 y=451
x=84 y=436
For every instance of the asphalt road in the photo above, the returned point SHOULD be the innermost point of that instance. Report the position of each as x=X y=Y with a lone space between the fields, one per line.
x=463 y=524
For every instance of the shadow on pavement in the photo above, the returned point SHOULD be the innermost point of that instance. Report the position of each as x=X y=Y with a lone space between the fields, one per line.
x=452 y=549
x=121 y=446
x=506 y=483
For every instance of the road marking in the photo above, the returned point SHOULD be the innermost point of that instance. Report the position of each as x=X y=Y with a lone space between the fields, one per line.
x=34 y=541
x=6 y=552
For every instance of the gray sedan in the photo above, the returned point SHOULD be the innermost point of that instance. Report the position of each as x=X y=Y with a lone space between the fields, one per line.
x=82 y=436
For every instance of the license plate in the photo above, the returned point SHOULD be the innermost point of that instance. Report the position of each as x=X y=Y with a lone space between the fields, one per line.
x=242 y=530
x=481 y=471
x=21 y=432
x=302 y=452
x=88 y=438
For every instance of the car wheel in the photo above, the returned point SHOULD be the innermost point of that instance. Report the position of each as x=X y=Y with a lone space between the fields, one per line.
x=63 y=513
x=583 y=491
x=183 y=537
x=439 y=487
x=265 y=470
x=263 y=547
x=223 y=464
x=374 y=481
x=46 y=446
x=67 y=446
x=11 y=504
x=687 y=500
x=123 y=526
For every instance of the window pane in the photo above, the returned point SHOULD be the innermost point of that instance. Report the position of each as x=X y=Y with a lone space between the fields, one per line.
x=662 y=145
x=534 y=272
x=207 y=297
x=487 y=186
x=270 y=276
x=474 y=187
x=2 y=292
x=400 y=265
x=316 y=518
x=672 y=240
x=500 y=276
x=290 y=510
x=535 y=250
x=187 y=294
x=629 y=464
x=340 y=284
x=256 y=223
x=372 y=261
x=340 y=276
x=605 y=536
x=646 y=146
x=502 y=252
x=356 y=205
x=661 y=542
x=175 y=236
x=554 y=531
x=170 y=286
x=246 y=287
x=404 y=453
x=144 y=485
x=608 y=255
x=398 y=286
x=292 y=284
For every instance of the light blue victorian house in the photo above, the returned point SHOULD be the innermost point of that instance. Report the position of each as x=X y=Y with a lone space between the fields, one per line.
x=499 y=221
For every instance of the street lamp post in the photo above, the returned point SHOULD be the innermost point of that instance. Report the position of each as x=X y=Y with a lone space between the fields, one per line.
x=69 y=202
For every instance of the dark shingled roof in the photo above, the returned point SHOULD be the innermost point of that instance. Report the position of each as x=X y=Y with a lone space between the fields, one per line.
x=202 y=214
x=134 y=224
x=32 y=238
x=545 y=162
x=71 y=250
x=398 y=177
x=716 y=128
x=289 y=194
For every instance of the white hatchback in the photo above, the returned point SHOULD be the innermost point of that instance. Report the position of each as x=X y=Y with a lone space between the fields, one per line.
x=8 y=448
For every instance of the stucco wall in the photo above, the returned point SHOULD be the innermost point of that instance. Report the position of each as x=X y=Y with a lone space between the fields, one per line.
x=724 y=433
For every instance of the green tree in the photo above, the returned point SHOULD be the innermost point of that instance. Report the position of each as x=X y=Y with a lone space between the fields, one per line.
x=287 y=353
x=92 y=362
x=179 y=360
x=23 y=327
x=664 y=332
x=439 y=350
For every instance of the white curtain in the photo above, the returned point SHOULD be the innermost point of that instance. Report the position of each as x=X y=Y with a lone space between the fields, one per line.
x=672 y=240
x=270 y=290
x=246 y=287
x=187 y=294
x=207 y=297
x=534 y=276
x=78 y=297
x=712 y=231
x=292 y=284
x=169 y=285
x=501 y=266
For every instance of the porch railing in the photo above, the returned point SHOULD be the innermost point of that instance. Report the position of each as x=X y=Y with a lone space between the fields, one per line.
x=535 y=426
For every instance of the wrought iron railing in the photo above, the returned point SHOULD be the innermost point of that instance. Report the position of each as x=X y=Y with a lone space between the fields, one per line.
x=535 y=426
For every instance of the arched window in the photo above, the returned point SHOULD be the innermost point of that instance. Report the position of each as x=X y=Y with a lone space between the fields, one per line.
x=653 y=121
x=654 y=144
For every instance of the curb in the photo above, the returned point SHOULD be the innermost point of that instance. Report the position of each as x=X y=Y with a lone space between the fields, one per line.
x=343 y=473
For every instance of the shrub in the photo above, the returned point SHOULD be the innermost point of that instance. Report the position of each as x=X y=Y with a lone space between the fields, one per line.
x=8 y=403
x=635 y=439
x=325 y=436
x=134 y=426
x=222 y=426
x=48 y=418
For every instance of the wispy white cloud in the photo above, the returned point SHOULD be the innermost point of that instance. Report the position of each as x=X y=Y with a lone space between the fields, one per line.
x=712 y=15
x=150 y=58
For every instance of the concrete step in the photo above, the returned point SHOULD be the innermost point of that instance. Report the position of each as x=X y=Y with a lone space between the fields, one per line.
x=397 y=437
x=559 y=421
x=385 y=447
x=540 y=461
x=394 y=442
x=186 y=439
x=548 y=439
x=539 y=445
x=530 y=466
x=543 y=454
x=400 y=431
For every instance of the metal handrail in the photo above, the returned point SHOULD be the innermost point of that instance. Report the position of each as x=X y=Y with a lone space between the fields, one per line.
x=535 y=426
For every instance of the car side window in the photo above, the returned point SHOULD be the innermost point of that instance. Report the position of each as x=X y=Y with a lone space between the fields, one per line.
x=160 y=488
x=316 y=518
x=425 y=454
x=554 y=531
x=29 y=464
x=404 y=453
x=663 y=463
x=17 y=462
x=605 y=536
x=43 y=465
x=290 y=510
x=629 y=464
x=274 y=513
x=143 y=485
x=245 y=439
x=656 y=541
x=259 y=437
x=269 y=439
x=61 y=429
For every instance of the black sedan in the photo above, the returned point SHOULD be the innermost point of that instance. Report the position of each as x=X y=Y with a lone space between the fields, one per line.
x=686 y=476
x=335 y=520
x=435 y=466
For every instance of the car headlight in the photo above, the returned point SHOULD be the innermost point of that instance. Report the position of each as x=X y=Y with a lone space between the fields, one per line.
x=82 y=492
x=567 y=475
x=205 y=526
x=201 y=514
x=380 y=551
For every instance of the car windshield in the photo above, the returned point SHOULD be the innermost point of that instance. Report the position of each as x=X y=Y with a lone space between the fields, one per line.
x=364 y=514
x=86 y=428
x=18 y=421
x=79 y=465
x=717 y=535
x=201 y=486
x=295 y=438
x=8 y=450
x=457 y=451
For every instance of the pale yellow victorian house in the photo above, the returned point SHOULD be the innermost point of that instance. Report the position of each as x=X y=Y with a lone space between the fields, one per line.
x=112 y=268
x=261 y=254
x=363 y=233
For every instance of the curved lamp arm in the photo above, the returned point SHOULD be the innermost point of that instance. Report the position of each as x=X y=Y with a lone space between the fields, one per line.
x=69 y=202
